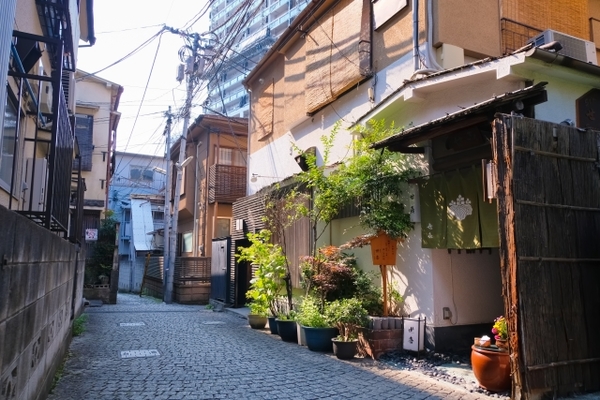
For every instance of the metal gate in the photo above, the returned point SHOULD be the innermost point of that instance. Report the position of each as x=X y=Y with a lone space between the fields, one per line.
x=219 y=272
x=549 y=219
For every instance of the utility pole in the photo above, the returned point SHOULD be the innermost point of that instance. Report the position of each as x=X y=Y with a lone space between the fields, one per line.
x=192 y=63
x=167 y=212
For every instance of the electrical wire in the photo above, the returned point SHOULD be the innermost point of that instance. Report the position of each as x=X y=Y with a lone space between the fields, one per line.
x=125 y=57
x=144 y=93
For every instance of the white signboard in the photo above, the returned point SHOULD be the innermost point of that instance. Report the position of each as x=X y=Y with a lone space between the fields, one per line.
x=91 y=235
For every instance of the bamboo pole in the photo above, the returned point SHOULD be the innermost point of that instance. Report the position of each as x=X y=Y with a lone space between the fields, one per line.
x=383 y=269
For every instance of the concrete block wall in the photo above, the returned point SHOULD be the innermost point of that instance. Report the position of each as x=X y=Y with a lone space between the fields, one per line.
x=39 y=278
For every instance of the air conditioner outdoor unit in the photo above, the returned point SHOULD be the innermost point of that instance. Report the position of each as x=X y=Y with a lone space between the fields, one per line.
x=46 y=98
x=573 y=47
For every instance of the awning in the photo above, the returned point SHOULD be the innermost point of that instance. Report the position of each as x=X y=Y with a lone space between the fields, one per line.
x=141 y=224
x=401 y=141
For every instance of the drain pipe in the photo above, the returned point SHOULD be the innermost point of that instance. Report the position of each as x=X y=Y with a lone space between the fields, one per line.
x=433 y=65
x=415 y=12
x=196 y=203
x=431 y=58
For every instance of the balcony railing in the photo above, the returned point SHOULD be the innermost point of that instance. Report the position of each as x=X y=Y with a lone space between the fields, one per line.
x=226 y=184
x=51 y=184
x=515 y=34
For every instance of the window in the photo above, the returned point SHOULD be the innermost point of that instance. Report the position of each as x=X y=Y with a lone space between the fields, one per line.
x=187 y=242
x=231 y=157
x=223 y=227
x=158 y=216
x=7 y=141
x=137 y=173
x=84 y=132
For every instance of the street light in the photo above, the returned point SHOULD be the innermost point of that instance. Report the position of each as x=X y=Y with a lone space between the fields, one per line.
x=184 y=162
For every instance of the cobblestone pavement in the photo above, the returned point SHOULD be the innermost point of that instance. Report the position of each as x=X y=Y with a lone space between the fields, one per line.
x=215 y=355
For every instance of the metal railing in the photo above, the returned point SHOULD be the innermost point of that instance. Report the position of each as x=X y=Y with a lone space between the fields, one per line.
x=50 y=177
x=515 y=34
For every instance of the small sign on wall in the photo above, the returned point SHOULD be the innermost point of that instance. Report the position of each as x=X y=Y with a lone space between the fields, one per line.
x=91 y=235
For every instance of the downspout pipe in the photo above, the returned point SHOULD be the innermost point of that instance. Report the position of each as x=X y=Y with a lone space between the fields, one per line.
x=415 y=13
x=196 y=203
x=431 y=61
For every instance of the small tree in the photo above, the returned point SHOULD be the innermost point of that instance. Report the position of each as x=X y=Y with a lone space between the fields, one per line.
x=327 y=273
x=101 y=260
x=270 y=262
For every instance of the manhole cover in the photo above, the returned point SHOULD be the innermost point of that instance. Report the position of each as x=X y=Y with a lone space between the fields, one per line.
x=132 y=324
x=139 y=353
x=213 y=323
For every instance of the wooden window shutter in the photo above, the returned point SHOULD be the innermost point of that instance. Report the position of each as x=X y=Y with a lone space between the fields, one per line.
x=265 y=111
x=337 y=52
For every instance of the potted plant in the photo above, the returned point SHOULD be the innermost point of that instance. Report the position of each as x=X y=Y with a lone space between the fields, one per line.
x=268 y=279
x=375 y=181
x=348 y=315
x=286 y=326
x=491 y=365
x=318 y=330
x=500 y=331
x=258 y=314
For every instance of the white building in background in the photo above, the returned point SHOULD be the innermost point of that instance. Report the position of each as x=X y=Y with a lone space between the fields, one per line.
x=226 y=94
x=137 y=197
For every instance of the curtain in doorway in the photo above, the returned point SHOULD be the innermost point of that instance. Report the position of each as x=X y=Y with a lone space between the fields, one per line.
x=454 y=213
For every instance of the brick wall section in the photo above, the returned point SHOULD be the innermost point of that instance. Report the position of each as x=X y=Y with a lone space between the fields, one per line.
x=39 y=278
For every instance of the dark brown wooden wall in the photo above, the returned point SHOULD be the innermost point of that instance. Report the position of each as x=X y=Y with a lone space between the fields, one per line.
x=549 y=215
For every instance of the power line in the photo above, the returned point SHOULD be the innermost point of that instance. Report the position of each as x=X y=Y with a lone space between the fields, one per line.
x=145 y=90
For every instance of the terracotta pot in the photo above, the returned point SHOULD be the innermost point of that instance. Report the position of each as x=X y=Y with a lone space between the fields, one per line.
x=491 y=368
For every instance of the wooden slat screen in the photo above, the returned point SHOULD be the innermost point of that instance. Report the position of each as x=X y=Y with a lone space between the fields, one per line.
x=332 y=56
x=567 y=16
x=549 y=213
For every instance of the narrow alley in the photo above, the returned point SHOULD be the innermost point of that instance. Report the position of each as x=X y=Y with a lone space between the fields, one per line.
x=144 y=349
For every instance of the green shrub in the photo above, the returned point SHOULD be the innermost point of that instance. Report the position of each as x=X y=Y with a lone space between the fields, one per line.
x=79 y=324
x=310 y=314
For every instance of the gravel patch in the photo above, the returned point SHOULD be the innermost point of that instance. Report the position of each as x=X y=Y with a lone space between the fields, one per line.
x=451 y=368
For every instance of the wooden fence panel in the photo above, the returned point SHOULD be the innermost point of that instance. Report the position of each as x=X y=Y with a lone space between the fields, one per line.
x=549 y=203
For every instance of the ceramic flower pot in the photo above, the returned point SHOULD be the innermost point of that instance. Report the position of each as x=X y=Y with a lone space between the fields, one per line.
x=319 y=339
x=491 y=368
x=273 y=325
x=287 y=330
x=257 y=321
x=344 y=350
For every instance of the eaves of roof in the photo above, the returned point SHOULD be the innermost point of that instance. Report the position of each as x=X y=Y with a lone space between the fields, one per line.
x=424 y=131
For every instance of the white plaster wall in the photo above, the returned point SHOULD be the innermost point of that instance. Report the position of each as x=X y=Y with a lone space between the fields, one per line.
x=413 y=274
x=469 y=284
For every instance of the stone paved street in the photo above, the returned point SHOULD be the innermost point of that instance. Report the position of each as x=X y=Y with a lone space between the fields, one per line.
x=215 y=355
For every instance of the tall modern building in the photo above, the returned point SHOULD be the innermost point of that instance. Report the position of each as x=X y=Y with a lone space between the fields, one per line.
x=244 y=32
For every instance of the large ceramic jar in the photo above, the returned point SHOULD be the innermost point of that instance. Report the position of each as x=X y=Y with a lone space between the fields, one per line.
x=491 y=368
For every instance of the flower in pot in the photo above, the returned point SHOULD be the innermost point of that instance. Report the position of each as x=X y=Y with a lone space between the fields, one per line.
x=500 y=331
x=348 y=315
x=491 y=366
x=318 y=330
